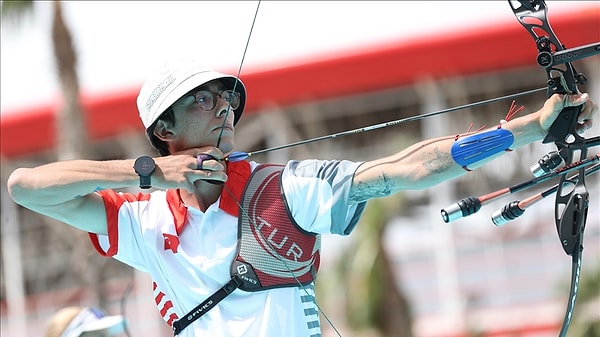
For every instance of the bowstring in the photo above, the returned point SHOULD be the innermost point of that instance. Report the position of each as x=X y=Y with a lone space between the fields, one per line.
x=244 y=211
x=235 y=83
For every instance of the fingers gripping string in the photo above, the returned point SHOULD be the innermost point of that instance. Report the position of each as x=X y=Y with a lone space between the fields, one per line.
x=200 y=160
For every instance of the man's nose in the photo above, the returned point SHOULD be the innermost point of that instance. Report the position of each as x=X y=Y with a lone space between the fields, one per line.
x=224 y=108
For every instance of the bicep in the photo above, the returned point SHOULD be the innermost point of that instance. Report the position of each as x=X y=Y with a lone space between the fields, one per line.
x=87 y=213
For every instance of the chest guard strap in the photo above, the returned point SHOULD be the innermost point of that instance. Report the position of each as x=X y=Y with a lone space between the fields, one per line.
x=273 y=251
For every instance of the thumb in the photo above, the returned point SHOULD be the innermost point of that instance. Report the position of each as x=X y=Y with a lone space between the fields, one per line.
x=574 y=99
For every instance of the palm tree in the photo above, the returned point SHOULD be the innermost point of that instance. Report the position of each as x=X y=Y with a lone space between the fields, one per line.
x=72 y=138
x=72 y=142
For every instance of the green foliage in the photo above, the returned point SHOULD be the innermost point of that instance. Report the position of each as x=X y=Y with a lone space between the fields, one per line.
x=586 y=321
x=15 y=11
x=589 y=285
x=373 y=298
x=586 y=314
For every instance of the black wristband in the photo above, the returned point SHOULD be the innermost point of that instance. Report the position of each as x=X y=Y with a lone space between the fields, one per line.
x=144 y=166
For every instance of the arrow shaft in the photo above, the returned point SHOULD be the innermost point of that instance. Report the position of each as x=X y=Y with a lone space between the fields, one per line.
x=390 y=123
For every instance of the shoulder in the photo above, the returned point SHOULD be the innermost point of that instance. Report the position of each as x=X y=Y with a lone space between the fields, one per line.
x=320 y=168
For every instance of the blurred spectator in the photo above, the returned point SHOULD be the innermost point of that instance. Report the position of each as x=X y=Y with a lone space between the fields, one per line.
x=76 y=321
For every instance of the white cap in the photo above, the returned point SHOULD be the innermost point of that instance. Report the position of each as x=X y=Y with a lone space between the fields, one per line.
x=85 y=322
x=173 y=81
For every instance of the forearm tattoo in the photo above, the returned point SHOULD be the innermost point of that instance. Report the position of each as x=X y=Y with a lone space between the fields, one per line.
x=439 y=163
x=435 y=162
x=382 y=187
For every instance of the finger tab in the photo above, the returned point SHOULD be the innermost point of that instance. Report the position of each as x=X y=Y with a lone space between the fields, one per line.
x=201 y=158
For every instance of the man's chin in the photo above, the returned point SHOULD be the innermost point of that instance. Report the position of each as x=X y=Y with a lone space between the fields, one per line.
x=225 y=146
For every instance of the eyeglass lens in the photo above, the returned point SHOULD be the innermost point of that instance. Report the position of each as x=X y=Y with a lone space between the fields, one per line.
x=207 y=100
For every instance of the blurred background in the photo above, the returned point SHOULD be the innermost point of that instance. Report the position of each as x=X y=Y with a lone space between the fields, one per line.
x=70 y=73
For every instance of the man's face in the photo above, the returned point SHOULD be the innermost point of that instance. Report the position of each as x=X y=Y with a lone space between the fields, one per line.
x=195 y=126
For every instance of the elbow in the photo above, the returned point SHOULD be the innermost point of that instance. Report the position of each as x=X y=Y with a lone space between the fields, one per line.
x=18 y=187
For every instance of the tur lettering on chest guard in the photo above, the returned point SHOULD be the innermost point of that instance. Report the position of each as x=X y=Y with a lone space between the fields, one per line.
x=281 y=242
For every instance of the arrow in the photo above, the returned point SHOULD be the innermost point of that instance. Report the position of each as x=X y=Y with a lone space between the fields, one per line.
x=239 y=155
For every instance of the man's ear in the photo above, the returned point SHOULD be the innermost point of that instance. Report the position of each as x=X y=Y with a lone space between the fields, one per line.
x=163 y=131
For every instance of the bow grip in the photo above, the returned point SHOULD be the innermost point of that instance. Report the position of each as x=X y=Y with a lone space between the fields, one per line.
x=564 y=125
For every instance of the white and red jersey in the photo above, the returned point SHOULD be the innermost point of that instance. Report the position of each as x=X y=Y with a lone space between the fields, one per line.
x=188 y=253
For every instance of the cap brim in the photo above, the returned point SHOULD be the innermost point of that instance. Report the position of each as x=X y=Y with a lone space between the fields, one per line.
x=111 y=325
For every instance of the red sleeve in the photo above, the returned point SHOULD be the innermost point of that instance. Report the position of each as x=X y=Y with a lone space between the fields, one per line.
x=112 y=203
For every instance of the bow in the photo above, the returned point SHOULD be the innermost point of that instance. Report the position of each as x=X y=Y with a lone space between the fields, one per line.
x=572 y=197
x=571 y=204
